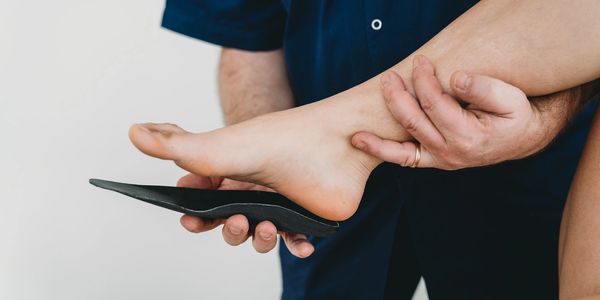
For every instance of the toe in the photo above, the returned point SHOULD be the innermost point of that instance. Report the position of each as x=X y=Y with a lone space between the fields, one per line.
x=157 y=139
x=192 y=152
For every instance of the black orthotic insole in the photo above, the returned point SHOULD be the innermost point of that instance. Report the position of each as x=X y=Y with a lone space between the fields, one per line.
x=257 y=206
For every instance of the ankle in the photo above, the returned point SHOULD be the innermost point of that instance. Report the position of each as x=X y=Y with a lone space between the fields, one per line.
x=363 y=108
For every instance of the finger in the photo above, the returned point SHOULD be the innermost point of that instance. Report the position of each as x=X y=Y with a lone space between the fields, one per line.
x=486 y=93
x=235 y=230
x=298 y=244
x=193 y=223
x=403 y=153
x=406 y=110
x=443 y=110
x=200 y=182
x=196 y=225
x=230 y=184
x=264 y=238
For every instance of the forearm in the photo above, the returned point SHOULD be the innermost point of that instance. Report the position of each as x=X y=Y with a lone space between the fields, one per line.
x=252 y=84
x=594 y=297
x=558 y=109
x=579 y=248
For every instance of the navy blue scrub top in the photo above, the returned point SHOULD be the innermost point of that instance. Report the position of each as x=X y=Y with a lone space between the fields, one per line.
x=330 y=46
x=333 y=45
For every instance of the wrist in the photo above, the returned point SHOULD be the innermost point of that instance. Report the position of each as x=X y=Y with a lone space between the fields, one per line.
x=542 y=130
x=551 y=114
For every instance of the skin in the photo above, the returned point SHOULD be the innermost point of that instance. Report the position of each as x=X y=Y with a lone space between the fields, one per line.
x=579 y=245
x=250 y=84
x=453 y=136
x=512 y=118
x=329 y=180
x=579 y=242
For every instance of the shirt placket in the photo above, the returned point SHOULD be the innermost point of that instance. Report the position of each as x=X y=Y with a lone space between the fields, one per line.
x=374 y=23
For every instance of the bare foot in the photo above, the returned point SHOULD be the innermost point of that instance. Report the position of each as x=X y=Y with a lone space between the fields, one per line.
x=303 y=153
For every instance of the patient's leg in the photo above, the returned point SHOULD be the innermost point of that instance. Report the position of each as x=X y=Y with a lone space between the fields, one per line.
x=305 y=153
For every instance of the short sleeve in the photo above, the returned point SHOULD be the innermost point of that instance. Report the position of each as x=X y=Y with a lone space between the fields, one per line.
x=254 y=25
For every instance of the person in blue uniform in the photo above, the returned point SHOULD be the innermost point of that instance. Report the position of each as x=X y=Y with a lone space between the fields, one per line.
x=495 y=240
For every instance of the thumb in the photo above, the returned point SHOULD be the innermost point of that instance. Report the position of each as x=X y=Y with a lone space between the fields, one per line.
x=486 y=93
x=401 y=153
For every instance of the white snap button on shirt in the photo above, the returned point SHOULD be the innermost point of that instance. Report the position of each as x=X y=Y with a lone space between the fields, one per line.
x=376 y=24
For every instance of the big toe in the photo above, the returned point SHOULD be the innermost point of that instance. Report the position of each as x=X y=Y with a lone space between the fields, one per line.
x=163 y=141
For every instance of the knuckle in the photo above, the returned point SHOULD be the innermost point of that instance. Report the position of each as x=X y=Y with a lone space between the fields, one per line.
x=412 y=124
x=450 y=162
x=519 y=94
x=489 y=90
x=390 y=95
x=454 y=163
x=405 y=160
x=468 y=144
x=486 y=124
x=421 y=72
x=449 y=158
x=463 y=145
x=426 y=103
x=466 y=147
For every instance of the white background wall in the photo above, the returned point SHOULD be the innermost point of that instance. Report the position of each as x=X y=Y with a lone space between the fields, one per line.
x=73 y=76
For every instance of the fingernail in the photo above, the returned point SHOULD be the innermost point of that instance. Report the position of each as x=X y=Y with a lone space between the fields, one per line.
x=462 y=81
x=266 y=236
x=235 y=230
x=360 y=145
x=385 y=80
